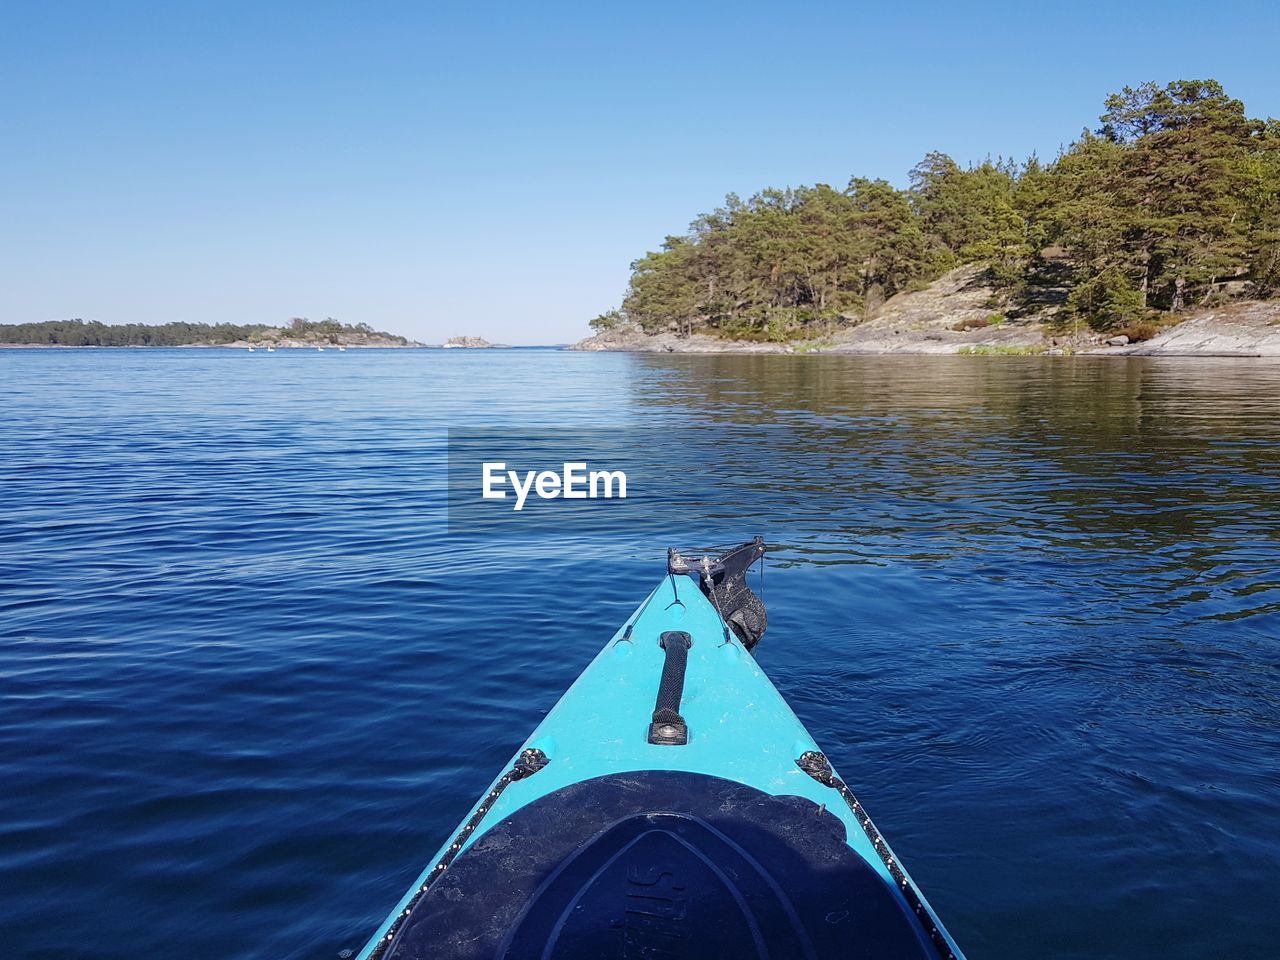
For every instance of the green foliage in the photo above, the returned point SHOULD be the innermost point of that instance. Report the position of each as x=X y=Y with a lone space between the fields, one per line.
x=1160 y=196
x=1107 y=299
x=971 y=215
x=813 y=346
x=78 y=333
x=1259 y=177
x=782 y=263
x=1001 y=350
x=609 y=320
x=1137 y=332
x=1173 y=198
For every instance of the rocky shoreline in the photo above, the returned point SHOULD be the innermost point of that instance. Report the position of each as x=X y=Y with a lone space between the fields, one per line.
x=954 y=315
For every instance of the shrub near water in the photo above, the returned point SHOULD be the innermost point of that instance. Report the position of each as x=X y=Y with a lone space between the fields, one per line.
x=1002 y=350
x=980 y=323
x=1137 y=332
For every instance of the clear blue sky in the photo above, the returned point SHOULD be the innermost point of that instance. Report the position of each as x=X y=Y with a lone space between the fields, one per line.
x=494 y=168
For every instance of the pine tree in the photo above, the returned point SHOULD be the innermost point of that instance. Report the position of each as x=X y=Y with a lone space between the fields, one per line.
x=1176 y=193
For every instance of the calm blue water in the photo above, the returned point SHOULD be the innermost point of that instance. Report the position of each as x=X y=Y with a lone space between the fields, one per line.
x=1030 y=607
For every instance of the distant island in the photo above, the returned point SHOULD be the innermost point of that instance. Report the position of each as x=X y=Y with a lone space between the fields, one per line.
x=1159 y=229
x=467 y=343
x=299 y=332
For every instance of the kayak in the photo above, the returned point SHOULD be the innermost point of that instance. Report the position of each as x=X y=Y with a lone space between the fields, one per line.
x=670 y=805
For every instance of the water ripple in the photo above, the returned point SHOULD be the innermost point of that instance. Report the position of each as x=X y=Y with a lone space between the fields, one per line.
x=247 y=682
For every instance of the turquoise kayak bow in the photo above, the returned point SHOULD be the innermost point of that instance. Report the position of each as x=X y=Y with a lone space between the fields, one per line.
x=670 y=805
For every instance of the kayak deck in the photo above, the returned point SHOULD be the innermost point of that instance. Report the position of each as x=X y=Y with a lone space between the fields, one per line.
x=711 y=868
x=758 y=855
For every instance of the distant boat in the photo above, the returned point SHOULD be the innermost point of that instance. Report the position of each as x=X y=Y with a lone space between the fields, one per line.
x=342 y=349
x=251 y=349
x=319 y=349
x=271 y=349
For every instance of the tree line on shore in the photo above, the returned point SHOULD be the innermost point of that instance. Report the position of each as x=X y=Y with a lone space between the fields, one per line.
x=1173 y=201
x=81 y=333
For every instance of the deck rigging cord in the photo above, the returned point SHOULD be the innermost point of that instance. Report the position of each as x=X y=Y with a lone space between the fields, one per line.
x=631 y=624
x=527 y=764
x=709 y=588
x=675 y=592
x=816 y=765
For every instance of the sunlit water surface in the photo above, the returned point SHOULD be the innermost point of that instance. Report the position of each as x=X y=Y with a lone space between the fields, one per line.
x=248 y=682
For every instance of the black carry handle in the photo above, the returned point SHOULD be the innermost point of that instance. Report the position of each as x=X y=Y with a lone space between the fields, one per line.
x=668 y=727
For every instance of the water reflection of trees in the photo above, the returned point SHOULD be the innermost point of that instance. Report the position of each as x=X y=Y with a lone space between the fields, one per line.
x=1104 y=454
